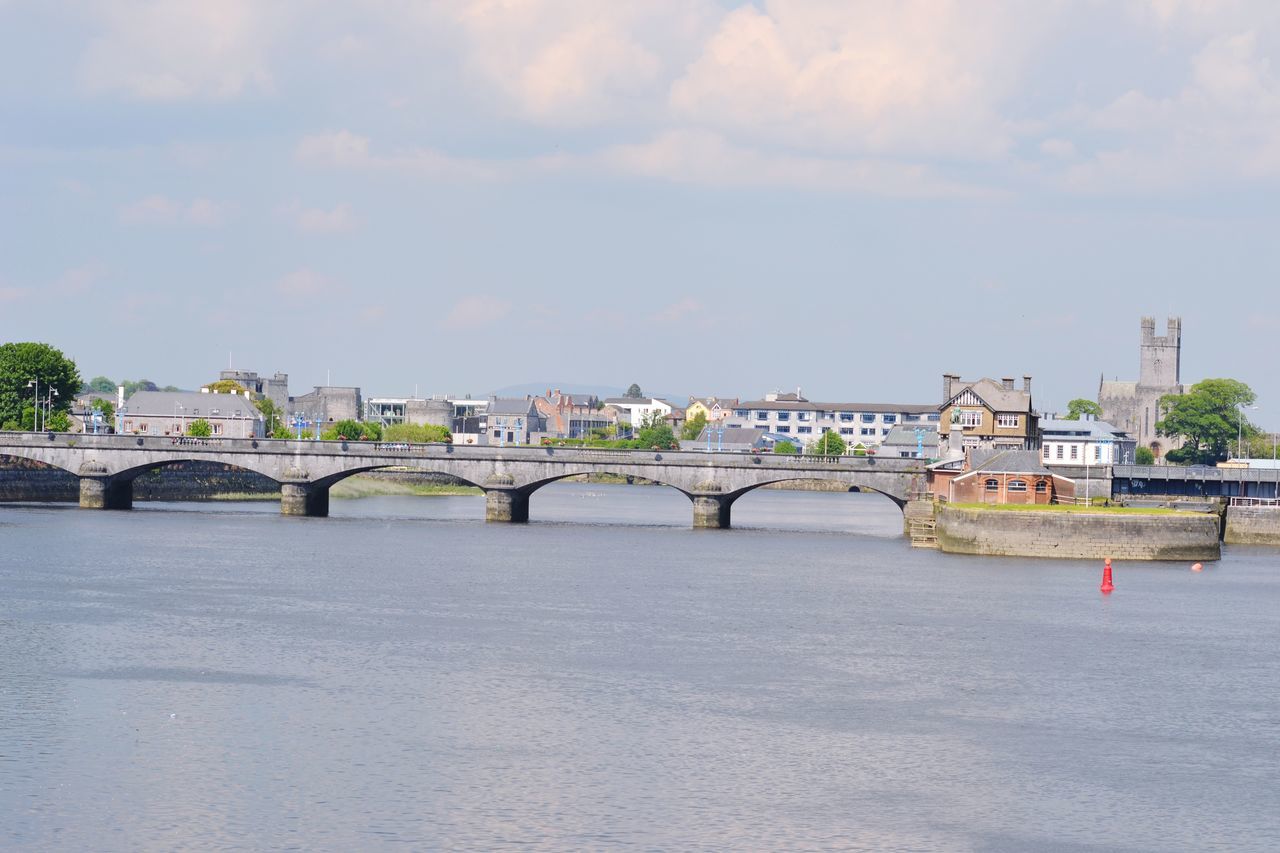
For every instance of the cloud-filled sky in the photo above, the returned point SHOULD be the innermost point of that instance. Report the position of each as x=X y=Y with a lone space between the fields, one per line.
x=699 y=196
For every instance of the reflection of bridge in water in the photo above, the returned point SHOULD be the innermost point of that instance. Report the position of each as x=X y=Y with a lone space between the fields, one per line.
x=108 y=464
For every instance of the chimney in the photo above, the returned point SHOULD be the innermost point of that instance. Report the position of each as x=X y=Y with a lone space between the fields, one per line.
x=947 y=380
x=119 y=396
x=1007 y=382
x=1026 y=383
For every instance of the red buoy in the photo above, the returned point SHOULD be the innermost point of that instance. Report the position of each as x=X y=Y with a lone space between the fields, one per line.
x=1197 y=567
x=1107 y=585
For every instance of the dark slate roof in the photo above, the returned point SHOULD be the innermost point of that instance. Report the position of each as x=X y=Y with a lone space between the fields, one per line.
x=906 y=436
x=1080 y=428
x=986 y=461
x=998 y=397
x=510 y=406
x=166 y=404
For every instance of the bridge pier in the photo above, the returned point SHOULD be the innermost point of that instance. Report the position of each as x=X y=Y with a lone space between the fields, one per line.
x=506 y=505
x=105 y=493
x=307 y=499
x=711 y=512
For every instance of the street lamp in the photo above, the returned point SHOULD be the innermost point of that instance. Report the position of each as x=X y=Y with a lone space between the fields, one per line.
x=48 y=404
x=1240 y=430
x=35 y=404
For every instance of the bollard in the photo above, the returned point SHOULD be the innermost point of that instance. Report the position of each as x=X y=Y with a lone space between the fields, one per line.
x=1107 y=585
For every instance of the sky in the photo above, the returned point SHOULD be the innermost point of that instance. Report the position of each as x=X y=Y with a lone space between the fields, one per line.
x=723 y=198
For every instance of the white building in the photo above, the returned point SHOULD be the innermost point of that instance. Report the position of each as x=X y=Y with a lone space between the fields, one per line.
x=1084 y=442
x=640 y=410
x=856 y=423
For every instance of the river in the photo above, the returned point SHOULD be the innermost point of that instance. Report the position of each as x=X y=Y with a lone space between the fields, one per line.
x=403 y=676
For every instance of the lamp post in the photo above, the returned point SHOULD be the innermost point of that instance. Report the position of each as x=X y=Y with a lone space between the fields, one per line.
x=35 y=404
x=1240 y=430
x=48 y=403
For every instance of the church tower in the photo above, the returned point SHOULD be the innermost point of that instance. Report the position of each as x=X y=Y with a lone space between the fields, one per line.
x=1161 y=364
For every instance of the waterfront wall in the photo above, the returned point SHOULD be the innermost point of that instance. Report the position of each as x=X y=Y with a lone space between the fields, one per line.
x=185 y=481
x=1252 y=525
x=1045 y=533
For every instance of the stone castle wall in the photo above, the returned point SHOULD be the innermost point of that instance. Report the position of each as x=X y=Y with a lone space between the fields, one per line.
x=1070 y=535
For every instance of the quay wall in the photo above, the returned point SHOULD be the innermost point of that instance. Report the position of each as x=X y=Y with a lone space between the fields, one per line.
x=184 y=481
x=1071 y=535
x=1252 y=525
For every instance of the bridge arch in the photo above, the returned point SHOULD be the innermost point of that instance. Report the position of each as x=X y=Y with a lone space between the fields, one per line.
x=898 y=501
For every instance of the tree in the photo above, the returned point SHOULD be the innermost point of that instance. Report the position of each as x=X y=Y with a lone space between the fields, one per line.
x=656 y=434
x=1144 y=456
x=693 y=427
x=352 y=431
x=58 y=421
x=102 y=385
x=830 y=444
x=634 y=392
x=274 y=420
x=130 y=386
x=225 y=386
x=21 y=363
x=199 y=428
x=417 y=433
x=785 y=448
x=1081 y=406
x=1207 y=419
x=108 y=410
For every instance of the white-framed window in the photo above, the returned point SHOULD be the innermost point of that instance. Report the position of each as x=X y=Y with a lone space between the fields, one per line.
x=1046 y=451
x=1097 y=453
x=993 y=485
x=1041 y=486
x=1008 y=421
x=1075 y=451
x=1058 y=454
x=1017 y=486
x=970 y=417
x=217 y=429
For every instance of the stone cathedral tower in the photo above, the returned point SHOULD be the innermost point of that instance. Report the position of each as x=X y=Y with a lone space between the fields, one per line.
x=1135 y=406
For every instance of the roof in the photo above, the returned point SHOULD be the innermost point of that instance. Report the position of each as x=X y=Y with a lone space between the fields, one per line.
x=985 y=461
x=635 y=401
x=806 y=405
x=510 y=406
x=1062 y=428
x=994 y=394
x=906 y=436
x=1117 y=388
x=188 y=404
x=731 y=438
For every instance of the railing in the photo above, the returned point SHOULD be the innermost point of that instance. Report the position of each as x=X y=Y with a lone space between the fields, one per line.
x=1255 y=502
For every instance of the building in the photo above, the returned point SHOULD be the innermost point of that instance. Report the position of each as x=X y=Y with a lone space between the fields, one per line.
x=275 y=389
x=327 y=404
x=569 y=418
x=636 y=411
x=230 y=415
x=905 y=441
x=733 y=440
x=999 y=476
x=1084 y=442
x=418 y=411
x=514 y=421
x=804 y=421
x=991 y=414
x=1134 y=407
x=714 y=409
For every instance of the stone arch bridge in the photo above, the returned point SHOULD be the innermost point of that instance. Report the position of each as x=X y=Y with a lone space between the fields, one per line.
x=108 y=464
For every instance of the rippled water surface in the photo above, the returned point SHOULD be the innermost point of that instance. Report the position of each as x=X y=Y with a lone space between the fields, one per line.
x=403 y=676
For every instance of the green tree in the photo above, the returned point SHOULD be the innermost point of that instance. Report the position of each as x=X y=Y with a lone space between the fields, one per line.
x=1081 y=406
x=634 y=392
x=417 y=433
x=830 y=444
x=693 y=427
x=1207 y=419
x=130 y=386
x=656 y=434
x=785 y=448
x=352 y=431
x=108 y=410
x=102 y=385
x=21 y=363
x=275 y=423
x=225 y=386
x=199 y=428
x=1144 y=456
x=58 y=421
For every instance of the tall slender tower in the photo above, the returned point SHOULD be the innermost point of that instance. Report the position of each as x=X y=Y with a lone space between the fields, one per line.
x=1161 y=359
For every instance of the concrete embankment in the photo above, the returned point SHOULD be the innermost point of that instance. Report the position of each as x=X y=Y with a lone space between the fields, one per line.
x=1078 y=535
x=1252 y=525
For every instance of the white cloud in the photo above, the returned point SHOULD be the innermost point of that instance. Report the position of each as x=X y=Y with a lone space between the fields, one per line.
x=678 y=311
x=347 y=150
x=177 y=49
x=315 y=220
x=303 y=282
x=474 y=312
x=162 y=210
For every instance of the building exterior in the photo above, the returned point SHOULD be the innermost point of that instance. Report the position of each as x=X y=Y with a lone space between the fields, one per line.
x=804 y=421
x=514 y=421
x=714 y=409
x=991 y=414
x=171 y=412
x=637 y=410
x=733 y=440
x=906 y=441
x=276 y=388
x=418 y=411
x=328 y=404
x=567 y=417
x=1134 y=407
x=999 y=476
x=1084 y=442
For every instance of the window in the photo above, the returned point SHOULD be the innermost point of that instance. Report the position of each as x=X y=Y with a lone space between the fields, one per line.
x=217 y=429
x=970 y=417
x=784 y=429
x=1046 y=451
x=885 y=431
x=1075 y=451
x=762 y=415
x=891 y=419
x=1017 y=485
x=846 y=431
x=802 y=416
x=195 y=411
x=993 y=485
x=868 y=431
x=1040 y=487
x=868 y=419
x=215 y=411
x=1097 y=453
x=741 y=413
x=783 y=417
x=935 y=417
x=1007 y=421
x=846 y=417
x=804 y=429
x=1058 y=454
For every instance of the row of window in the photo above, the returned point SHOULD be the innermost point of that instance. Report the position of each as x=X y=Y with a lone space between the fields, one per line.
x=993 y=485
x=1074 y=451
x=845 y=417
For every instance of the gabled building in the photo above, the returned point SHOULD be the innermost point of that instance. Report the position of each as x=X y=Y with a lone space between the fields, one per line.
x=990 y=414
x=1084 y=442
x=637 y=410
x=918 y=441
x=804 y=421
x=514 y=421
x=988 y=475
x=171 y=412
x=714 y=409
x=567 y=417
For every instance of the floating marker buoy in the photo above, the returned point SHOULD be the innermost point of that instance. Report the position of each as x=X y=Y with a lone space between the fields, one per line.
x=1197 y=567
x=1107 y=585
